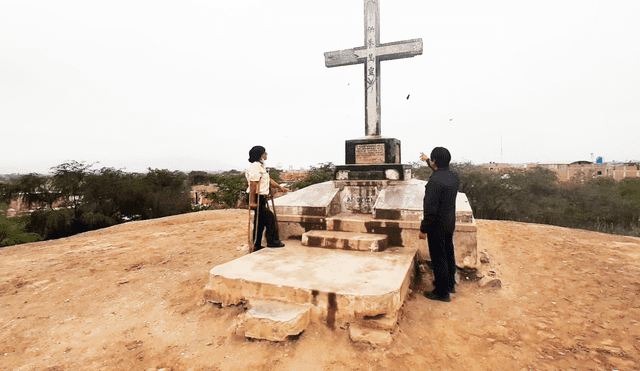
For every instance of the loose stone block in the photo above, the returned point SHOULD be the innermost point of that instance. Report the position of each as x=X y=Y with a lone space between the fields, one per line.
x=490 y=282
x=387 y=322
x=273 y=320
x=375 y=337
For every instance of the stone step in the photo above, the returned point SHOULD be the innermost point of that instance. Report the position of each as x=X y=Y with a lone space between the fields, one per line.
x=273 y=320
x=345 y=240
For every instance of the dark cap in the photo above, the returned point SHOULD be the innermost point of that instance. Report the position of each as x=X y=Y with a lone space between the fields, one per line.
x=255 y=154
x=441 y=157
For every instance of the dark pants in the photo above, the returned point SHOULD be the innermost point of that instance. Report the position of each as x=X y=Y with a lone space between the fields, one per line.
x=267 y=220
x=443 y=261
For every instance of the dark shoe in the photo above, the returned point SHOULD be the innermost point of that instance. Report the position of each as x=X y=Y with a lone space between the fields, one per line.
x=453 y=290
x=256 y=248
x=434 y=296
x=277 y=244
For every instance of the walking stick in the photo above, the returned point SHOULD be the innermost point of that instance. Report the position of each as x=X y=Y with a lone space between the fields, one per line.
x=256 y=217
x=273 y=204
x=249 y=242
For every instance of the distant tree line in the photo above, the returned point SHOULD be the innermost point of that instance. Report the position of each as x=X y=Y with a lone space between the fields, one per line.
x=77 y=198
x=87 y=199
x=536 y=196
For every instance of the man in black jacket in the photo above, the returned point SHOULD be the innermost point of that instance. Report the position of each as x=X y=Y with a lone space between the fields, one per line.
x=439 y=223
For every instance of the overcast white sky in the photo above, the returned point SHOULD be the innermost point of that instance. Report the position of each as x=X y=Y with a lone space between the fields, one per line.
x=193 y=85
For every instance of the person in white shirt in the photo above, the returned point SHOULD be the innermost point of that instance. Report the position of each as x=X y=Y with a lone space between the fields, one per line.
x=259 y=183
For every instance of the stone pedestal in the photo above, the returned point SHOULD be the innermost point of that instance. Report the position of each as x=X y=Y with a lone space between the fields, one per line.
x=373 y=158
x=372 y=150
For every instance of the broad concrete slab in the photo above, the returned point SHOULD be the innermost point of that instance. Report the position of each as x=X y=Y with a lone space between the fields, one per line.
x=337 y=285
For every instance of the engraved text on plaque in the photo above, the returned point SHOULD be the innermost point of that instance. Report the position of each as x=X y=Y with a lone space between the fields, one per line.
x=370 y=153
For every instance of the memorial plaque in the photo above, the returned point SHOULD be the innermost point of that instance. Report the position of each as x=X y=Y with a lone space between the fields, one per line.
x=370 y=153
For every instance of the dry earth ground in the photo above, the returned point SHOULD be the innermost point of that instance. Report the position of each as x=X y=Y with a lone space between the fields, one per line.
x=130 y=298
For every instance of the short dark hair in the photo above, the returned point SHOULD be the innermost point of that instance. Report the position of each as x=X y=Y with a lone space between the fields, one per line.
x=441 y=157
x=255 y=154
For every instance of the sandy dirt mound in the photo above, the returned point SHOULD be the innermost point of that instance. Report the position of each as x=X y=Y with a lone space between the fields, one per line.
x=130 y=298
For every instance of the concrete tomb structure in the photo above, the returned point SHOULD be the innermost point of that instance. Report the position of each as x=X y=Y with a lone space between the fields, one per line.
x=351 y=243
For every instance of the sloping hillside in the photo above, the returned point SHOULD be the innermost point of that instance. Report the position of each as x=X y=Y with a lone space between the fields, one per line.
x=130 y=298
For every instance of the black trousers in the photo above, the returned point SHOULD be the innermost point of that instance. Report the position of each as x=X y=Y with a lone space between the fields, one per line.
x=443 y=261
x=267 y=220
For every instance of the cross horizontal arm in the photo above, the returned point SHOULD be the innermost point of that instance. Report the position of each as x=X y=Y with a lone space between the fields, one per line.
x=342 y=57
x=394 y=50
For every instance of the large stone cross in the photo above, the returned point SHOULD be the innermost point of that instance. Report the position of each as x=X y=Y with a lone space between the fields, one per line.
x=371 y=54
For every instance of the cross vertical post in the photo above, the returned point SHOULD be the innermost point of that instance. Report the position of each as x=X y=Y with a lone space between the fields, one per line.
x=372 y=68
x=371 y=54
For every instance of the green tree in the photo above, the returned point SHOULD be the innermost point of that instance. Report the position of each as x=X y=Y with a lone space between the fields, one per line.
x=318 y=174
x=37 y=189
x=231 y=188
x=104 y=193
x=198 y=178
x=12 y=230
x=52 y=224
x=68 y=180
x=166 y=193
x=8 y=192
x=420 y=170
x=275 y=174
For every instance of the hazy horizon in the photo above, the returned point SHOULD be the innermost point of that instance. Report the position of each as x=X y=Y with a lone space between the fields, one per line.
x=187 y=84
x=98 y=167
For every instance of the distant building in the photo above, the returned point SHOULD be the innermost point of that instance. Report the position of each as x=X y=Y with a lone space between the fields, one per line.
x=503 y=168
x=17 y=206
x=582 y=171
x=579 y=170
x=292 y=176
x=199 y=194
